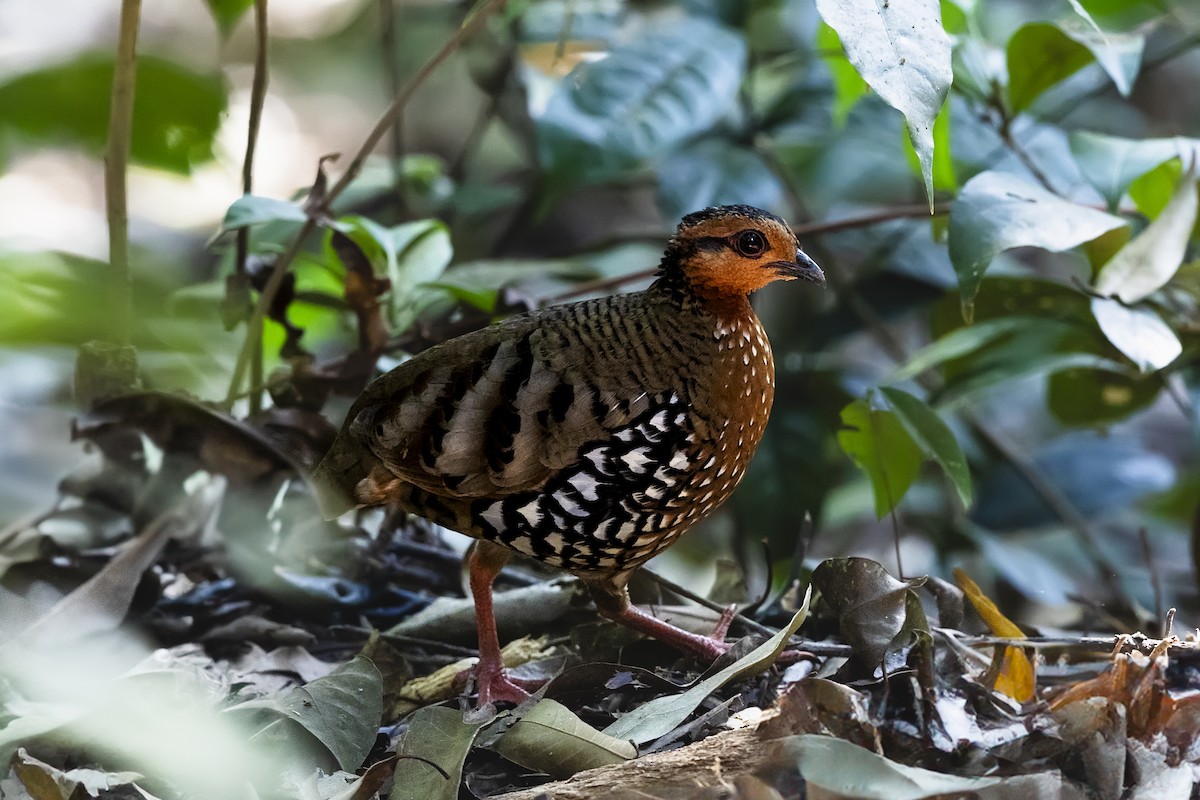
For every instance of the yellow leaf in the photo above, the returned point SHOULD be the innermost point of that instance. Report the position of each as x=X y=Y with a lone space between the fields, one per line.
x=997 y=623
x=1016 y=676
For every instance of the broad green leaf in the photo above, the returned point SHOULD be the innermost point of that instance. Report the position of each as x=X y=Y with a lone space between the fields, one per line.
x=958 y=343
x=415 y=255
x=1152 y=192
x=664 y=85
x=227 y=13
x=439 y=735
x=1016 y=362
x=1090 y=397
x=848 y=86
x=714 y=173
x=175 y=117
x=250 y=209
x=933 y=437
x=956 y=15
x=996 y=211
x=903 y=53
x=881 y=447
x=1139 y=333
x=422 y=253
x=1041 y=54
x=838 y=768
x=1152 y=258
x=1111 y=163
x=342 y=710
x=551 y=739
x=661 y=715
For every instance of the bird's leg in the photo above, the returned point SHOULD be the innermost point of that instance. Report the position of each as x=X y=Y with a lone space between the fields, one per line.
x=484 y=562
x=612 y=602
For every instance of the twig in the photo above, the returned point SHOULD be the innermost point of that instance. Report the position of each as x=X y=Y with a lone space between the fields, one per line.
x=915 y=211
x=116 y=159
x=387 y=13
x=279 y=268
x=471 y=24
x=258 y=93
x=816 y=648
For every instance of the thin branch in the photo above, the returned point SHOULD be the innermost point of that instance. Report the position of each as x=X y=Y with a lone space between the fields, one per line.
x=258 y=94
x=279 y=268
x=116 y=160
x=816 y=648
x=471 y=24
x=391 y=53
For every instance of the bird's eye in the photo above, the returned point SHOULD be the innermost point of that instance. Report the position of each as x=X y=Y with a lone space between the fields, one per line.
x=750 y=243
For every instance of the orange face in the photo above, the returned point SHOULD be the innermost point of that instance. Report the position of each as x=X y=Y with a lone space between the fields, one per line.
x=729 y=253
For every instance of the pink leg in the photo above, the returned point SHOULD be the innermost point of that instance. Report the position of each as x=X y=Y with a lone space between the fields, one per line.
x=485 y=562
x=612 y=602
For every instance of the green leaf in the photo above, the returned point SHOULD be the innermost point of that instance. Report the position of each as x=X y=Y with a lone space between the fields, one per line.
x=250 y=209
x=956 y=15
x=837 y=768
x=551 y=739
x=664 y=85
x=903 y=53
x=1139 y=333
x=342 y=710
x=661 y=715
x=996 y=211
x=175 y=117
x=933 y=437
x=1111 y=163
x=848 y=86
x=438 y=735
x=1091 y=397
x=958 y=343
x=712 y=173
x=1152 y=192
x=1041 y=54
x=415 y=255
x=1152 y=258
x=227 y=13
x=880 y=446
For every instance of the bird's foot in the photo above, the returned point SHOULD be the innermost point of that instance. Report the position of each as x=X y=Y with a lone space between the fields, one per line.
x=494 y=685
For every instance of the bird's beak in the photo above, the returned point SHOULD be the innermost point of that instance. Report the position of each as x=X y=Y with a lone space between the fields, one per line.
x=803 y=268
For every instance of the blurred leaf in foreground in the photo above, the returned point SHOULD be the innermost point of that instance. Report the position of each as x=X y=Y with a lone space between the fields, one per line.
x=175 y=117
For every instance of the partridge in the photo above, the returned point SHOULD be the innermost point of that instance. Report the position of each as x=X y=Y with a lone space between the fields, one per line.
x=590 y=435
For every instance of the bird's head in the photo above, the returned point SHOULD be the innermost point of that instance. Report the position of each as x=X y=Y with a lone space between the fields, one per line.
x=730 y=251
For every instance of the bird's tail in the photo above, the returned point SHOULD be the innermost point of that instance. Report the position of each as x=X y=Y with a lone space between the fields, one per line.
x=334 y=481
